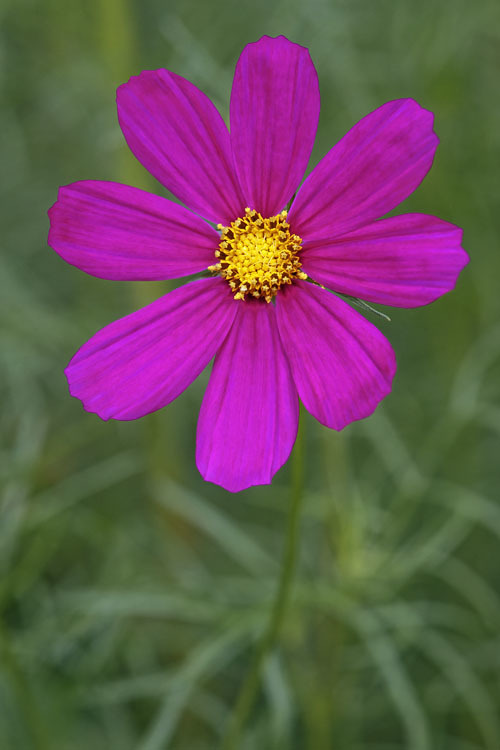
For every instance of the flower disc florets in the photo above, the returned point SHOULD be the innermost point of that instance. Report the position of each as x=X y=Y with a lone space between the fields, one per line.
x=257 y=256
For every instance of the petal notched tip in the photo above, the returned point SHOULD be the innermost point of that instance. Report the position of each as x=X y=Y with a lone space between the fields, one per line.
x=233 y=484
x=279 y=41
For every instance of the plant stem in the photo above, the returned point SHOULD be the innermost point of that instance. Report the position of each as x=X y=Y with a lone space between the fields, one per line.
x=249 y=688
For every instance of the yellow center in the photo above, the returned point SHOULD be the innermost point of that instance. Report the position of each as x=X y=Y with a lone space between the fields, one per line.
x=257 y=256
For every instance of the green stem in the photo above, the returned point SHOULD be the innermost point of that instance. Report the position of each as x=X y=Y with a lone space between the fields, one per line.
x=249 y=688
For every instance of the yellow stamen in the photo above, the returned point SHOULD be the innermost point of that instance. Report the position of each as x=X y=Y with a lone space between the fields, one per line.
x=257 y=256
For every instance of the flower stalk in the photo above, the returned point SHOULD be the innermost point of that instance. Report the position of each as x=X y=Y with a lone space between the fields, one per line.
x=270 y=636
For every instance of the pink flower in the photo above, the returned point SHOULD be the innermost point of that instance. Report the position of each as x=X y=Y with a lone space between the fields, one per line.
x=308 y=343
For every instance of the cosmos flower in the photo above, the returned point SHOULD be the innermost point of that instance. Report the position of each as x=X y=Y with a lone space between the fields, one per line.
x=277 y=334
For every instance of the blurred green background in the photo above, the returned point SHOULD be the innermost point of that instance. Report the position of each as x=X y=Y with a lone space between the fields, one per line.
x=131 y=592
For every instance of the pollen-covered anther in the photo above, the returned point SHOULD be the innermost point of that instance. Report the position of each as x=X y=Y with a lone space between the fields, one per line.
x=258 y=256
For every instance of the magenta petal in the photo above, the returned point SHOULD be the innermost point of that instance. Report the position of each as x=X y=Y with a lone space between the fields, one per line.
x=178 y=135
x=375 y=166
x=249 y=416
x=274 y=115
x=115 y=231
x=140 y=363
x=406 y=260
x=341 y=364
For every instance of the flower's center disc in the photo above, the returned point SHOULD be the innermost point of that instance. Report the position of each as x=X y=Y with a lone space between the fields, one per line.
x=257 y=256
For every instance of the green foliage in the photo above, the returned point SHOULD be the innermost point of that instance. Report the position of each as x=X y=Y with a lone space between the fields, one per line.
x=131 y=593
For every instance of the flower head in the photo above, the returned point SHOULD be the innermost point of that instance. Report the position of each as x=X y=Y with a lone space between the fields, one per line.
x=257 y=255
x=277 y=334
